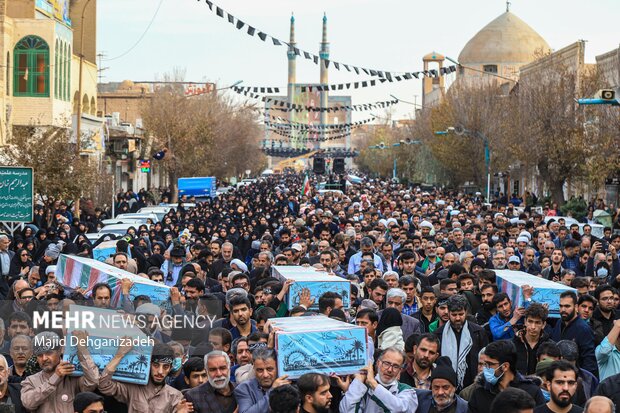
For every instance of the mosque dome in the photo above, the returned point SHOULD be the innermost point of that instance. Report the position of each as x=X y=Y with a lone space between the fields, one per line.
x=505 y=40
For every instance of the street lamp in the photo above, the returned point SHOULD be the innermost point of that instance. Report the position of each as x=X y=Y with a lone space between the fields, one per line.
x=402 y=142
x=487 y=152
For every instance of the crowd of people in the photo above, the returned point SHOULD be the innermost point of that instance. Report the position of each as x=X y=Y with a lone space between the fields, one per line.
x=442 y=333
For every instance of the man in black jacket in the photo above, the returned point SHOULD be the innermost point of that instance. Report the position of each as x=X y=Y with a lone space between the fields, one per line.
x=610 y=388
x=528 y=340
x=500 y=373
x=461 y=340
x=603 y=317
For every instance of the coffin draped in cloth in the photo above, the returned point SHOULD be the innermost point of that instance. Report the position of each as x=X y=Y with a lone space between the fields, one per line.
x=106 y=249
x=545 y=291
x=105 y=334
x=318 y=344
x=78 y=272
x=318 y=282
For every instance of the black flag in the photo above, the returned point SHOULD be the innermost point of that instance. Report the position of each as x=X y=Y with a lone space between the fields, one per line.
x=276 y=42
x=262 y=36
x=219 y=12
x=251 y=30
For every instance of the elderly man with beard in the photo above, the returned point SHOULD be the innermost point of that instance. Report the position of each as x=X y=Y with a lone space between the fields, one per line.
x=314 y=391
x=382 y=392
x=156 y=396
x=52 y=389
x=216 y=395
x=442 y=394
x=9 y=392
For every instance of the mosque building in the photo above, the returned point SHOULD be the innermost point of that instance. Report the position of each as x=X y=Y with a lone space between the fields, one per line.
x=307 y=94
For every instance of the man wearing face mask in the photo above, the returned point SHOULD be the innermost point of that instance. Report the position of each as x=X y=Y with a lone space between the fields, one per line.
x=442 y=395
x=156 y=395
x=380 y=393
x=216 y=395
x=499 y=373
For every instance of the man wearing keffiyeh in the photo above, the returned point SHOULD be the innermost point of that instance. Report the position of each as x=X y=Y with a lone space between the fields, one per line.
x=461 y=341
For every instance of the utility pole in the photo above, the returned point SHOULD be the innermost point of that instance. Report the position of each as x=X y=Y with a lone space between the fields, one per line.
x=100 y=68
x=78 y=133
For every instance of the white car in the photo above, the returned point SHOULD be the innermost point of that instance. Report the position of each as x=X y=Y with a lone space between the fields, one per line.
x=159 y=211
x=568 y=220
x=116 y=229
x=137 y=218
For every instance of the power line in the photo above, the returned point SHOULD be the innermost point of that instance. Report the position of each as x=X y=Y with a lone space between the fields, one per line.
x=141 y=36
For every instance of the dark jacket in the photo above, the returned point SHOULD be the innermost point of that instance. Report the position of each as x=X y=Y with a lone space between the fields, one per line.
x=600 y=325
x=15 y=390
x=610 y=387
x=484 y=395
x=204 y=400
x=526 y=356
x=580 y=332
x=424 y=323
x=479 y=341
x=425 y=401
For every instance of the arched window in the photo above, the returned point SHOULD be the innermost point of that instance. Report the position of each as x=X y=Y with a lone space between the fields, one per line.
x=68 y=77
x=57 y=70
x=76 y=98
x=31 y=71
x=93 y=106
x=85 y=104
x=8 y=73
x=63 y=69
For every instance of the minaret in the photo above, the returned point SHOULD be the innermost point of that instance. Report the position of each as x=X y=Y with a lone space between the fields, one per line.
x=324 y=54
x=292 y=69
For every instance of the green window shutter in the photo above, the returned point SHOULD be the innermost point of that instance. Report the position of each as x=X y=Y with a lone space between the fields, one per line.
x=31 y=70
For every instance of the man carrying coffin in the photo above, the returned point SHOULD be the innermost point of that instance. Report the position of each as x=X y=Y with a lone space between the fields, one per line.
x=52 y=389
x=380 y=393
x=156 y=396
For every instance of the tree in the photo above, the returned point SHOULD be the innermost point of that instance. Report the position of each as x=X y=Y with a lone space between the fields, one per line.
x=58 y=171
x=550 y=130
x=204 y=135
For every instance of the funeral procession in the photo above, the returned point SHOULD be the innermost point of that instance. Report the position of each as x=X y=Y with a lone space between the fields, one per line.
x=278 y=206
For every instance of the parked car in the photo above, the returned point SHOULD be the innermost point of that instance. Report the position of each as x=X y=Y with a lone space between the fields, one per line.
x=569 y=220
x=116 y=229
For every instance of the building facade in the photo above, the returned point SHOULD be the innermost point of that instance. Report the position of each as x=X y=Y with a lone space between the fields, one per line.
x=40 y=81
x=306 y=132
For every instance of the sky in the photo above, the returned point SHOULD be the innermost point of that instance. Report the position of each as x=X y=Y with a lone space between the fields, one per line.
x=390 y=35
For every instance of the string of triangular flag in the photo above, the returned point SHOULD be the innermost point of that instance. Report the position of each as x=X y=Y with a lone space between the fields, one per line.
x=318 y=128
x=251 y=31
x=309 y=139
x=283 y=106
x=352 y=85
x=295 y=133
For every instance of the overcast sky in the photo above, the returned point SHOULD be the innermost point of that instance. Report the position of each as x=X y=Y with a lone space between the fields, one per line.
x=389 y=35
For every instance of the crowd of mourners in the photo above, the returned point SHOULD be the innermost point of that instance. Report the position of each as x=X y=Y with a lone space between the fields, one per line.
x=442 y=333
